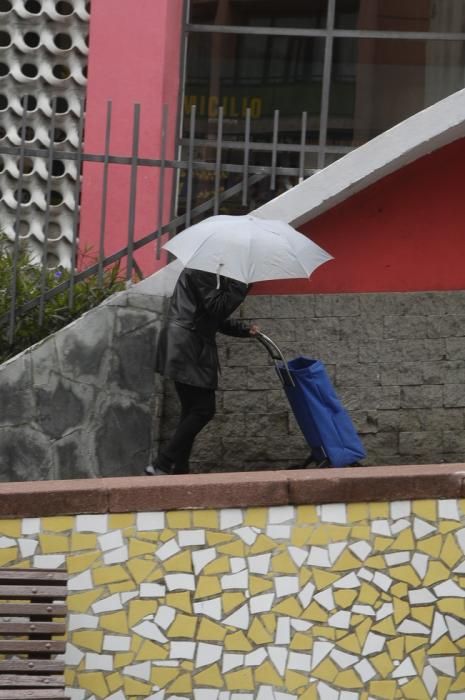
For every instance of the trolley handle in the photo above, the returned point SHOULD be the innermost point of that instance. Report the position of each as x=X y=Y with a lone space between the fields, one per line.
x=279 y=360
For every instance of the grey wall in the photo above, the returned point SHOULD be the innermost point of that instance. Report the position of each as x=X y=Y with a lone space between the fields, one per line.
x=397 y=361
x=83 y=402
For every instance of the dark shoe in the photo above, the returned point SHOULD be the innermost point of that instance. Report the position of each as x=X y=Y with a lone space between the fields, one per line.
x=155 y=471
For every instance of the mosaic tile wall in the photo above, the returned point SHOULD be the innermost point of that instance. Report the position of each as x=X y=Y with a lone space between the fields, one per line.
x=331 y=602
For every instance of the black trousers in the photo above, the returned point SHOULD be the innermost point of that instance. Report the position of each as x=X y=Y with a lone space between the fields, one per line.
x=197 y=409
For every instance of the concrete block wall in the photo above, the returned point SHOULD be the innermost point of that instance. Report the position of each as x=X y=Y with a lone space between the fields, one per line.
x=397 y=361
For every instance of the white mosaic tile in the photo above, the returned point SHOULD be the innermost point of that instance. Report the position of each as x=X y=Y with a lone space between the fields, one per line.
x=27 y=547
x=278 y=657
x=235 y=581
x=259 y=564
x=202 y=557
x=116 y=556
x=116 y=642
x=190 y=538
x=286 y=585
x=456 y=628
x=80 y=621
x=164 y=616
x=149 y=630
x=420 y=596
x=152 y=590
x=81 y=582
x=182 y=650
x=335 y=550
x=318 y=556
x=400 y=509
x=73 y=655
x=49 y=561
x=300 y=625
x=283 y=630
x=367 y=610
x=279 y=695
x=320 y=651
x=384 y=611
x=449 y=589
x=448 y=509
x=460 y=535
x=361 y=549
x=91 y=523
x=334 y=513
x=232 y=661
x=343 y=659
x=207 y=654
x=206 y=694
x=279 y=532
x=247 y=534
x=341 y=620
x=399 y=526
x=119 y=695
x=146 y=522
x=298 y=555
x=381 y=527
x=365 y=574
x=412 y=627
x=280 y=514
x=108 y=604
x=365 y=670
x=75 y=693
x=422 y=529
x=30 y=526
x=240 y=618
x=261 y=603
x=396 y=558
x=128 y=595
x=7 y=542
x=168 y=549
x=265 y=692
x=460 y=569
x=299 y=662
x=349 y=581
x=420 y=564
x=211 y=608
x=110 y=540
x=382 y=581
x=237 y=564
x=439 y=627
x=325 y=599
x=374 y=643
x=430 y=680
x=99 y=662
x=326 y=692
x=306 y=594
x=141 y=671
x=255 y=658
x=230 y=518
x=348 y=695
x=443 y=664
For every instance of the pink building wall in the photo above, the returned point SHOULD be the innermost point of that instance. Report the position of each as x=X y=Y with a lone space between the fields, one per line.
x=134 y=57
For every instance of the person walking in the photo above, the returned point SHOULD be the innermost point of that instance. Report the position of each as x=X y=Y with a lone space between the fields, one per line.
x=187 y=353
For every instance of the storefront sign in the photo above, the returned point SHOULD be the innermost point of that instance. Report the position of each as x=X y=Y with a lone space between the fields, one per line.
x=233 y=107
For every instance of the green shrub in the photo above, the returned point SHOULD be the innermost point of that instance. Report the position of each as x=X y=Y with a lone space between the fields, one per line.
x=57 y=312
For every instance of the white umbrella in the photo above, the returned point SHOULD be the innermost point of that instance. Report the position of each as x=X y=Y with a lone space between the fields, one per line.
x=247 y=248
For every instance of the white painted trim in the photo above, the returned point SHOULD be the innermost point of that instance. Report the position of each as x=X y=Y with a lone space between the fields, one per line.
x=424 y=132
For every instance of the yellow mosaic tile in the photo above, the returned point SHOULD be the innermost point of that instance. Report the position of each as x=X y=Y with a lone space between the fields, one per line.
x=163 y=676
x=345 y=598
x=95 y=683
x=205 y=518
x=451 y=554
x=10 y=528
x=234 y=549
x=383 y=689
x=207 y=586
x=8 y=555
x=405 y=573
x=211 y=677
x=258 y=633
x=349 y=680
x=383 y=664
x=57 y=523
x=425 y=509
x=256 y=517
x=88 y=639
x=239 y=680
x=294 y=680
x=138 y=548
x=120 y=521
x=357 y=512
x=81 y=541
x=180 y=562
x=210 y=631
x=81 y=602
x=315 y=613
x=326 y=671
x=306 y=515
x=237 y=641
x=430 y=545
x=139 y=609
x=179 y=519
x=114 y=622
x=182 y=684
x=132 y=686
x=80 y=562
x=262 y=544
x=184 y=626
x=123 y=659
x=114 y=681
x=283 y=564
x=180 y=601
x=140 y=569
x=443 y=687
x=301 y=642
x=232 y=600
x=109 y=574
x=151 y=651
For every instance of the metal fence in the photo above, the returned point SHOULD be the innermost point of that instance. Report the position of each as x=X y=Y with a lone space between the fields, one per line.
x=210 y=175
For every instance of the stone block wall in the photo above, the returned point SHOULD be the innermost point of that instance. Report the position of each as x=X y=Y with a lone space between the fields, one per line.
x=83 y=402
x=397 y=362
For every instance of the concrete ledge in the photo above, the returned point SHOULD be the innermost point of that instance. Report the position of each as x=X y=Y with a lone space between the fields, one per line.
x=267 y=488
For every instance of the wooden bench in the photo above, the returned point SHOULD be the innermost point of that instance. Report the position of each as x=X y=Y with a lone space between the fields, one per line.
x=32 y=616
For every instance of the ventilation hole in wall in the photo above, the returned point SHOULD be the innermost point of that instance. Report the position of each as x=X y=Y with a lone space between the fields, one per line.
x=64 y=8
x=32 y=39
x=4 y=69
x=23 y=228
x=56 y=198
x=23 y=196
x=86 y=40
x=58 y=168
x=31 y=102
x=61 y=71
x=2 y=165
x=28 y=166
x=59 y=135
x=3 y=102
x=1 y=195
x=54 y=231
x=29 y=70
x=88 y=8
x=33 y=6
x=5 y=5
x=61 y=105
x=84 y=71
x=29 y=133
x=63 y=41
x=2 y=132
x=5 y=39
x=52 y=261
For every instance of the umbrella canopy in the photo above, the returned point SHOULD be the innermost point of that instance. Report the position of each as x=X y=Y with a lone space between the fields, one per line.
x=247 y=248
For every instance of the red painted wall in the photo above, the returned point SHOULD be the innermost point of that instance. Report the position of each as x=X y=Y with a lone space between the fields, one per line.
x=404 y=233
x=134 y=56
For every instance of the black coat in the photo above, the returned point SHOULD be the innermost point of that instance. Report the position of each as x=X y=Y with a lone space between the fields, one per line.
x=199 y=307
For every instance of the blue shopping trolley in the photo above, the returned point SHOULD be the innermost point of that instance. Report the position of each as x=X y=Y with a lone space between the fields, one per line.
x=318 y=410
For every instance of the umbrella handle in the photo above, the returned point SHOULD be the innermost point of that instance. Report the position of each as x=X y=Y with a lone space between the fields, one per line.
x=278 y=357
